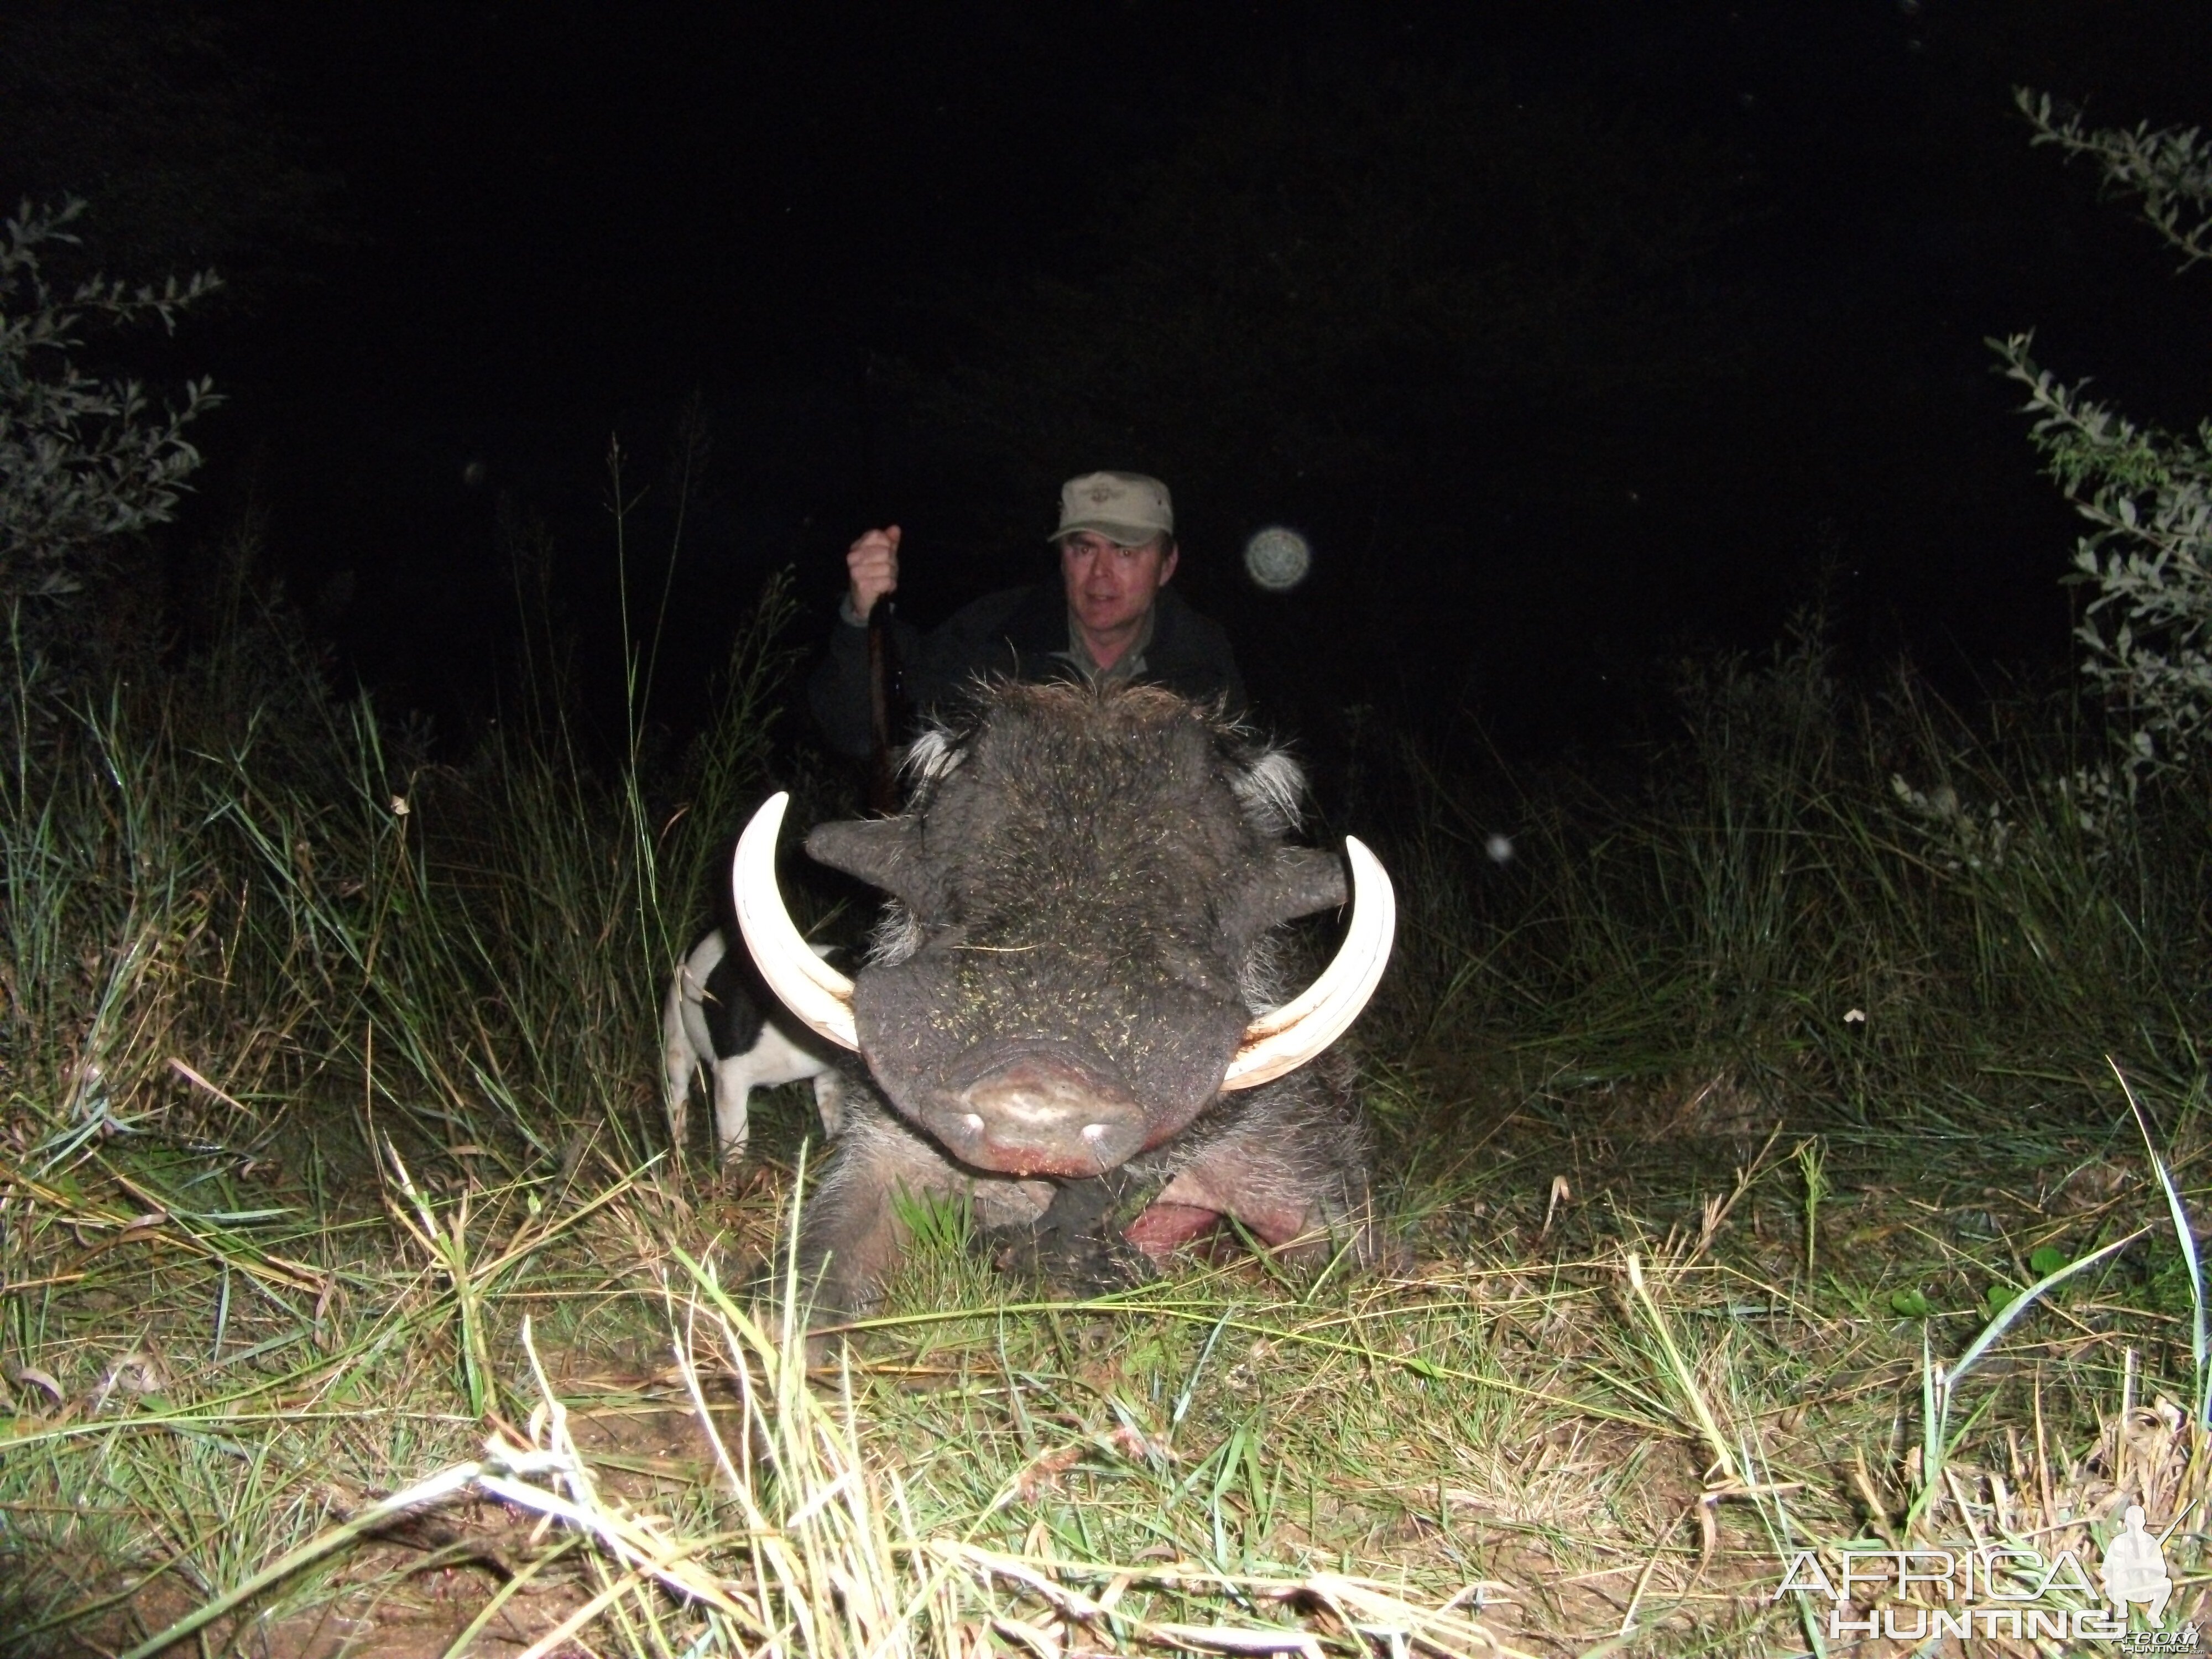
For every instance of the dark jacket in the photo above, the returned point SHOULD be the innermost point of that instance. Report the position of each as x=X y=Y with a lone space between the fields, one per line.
x=1021 y=634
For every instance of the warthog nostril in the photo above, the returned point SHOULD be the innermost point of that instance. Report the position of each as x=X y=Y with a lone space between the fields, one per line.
x=1041 y=1113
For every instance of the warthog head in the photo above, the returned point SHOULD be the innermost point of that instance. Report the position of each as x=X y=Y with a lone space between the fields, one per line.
x=1080 y=957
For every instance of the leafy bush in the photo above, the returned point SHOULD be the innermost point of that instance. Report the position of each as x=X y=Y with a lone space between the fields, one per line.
x=83 y=458
x=2149 y=630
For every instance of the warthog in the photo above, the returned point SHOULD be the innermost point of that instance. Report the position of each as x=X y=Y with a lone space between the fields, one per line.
x=1078 y=976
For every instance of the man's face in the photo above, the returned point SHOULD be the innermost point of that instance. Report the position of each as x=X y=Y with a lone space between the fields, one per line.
x=1110 y=588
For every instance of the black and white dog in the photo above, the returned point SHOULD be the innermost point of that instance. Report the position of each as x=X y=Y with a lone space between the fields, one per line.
x=721 y=1018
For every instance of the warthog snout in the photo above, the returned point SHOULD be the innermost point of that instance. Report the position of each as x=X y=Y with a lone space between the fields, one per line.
x=1039 y=1115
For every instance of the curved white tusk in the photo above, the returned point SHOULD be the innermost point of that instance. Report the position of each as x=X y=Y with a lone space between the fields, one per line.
x=1283 y=1039
x=820 y=995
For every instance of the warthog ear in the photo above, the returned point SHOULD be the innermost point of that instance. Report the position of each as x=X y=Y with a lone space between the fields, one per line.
x=885 y=853
x=1295 y=882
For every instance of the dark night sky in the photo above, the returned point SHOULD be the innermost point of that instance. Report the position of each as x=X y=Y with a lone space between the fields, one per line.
x=1577 y=335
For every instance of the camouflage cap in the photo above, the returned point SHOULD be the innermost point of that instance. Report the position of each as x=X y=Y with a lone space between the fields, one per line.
x=1126 y=508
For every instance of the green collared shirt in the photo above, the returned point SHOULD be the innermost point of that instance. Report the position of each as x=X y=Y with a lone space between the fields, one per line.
x=1129 y=666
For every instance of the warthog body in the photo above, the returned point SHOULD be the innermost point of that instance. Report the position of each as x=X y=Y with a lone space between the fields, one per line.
x=1066 y=1014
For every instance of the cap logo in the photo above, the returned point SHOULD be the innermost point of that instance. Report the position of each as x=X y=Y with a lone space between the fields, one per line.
x=1127 y=507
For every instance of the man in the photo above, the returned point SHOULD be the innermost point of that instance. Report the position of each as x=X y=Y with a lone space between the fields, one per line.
x=1110 y=617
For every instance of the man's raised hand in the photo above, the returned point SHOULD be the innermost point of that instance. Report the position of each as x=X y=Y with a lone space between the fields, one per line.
x=872 y=563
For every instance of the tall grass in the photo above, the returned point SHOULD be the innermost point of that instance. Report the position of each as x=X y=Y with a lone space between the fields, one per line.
x=262 y=956
x=294 y=903
x=1835 y=897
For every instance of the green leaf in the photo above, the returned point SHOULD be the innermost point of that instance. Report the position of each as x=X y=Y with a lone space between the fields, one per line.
x=1998 y=1297
x=1912 y=1303
x=2047 y=1261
